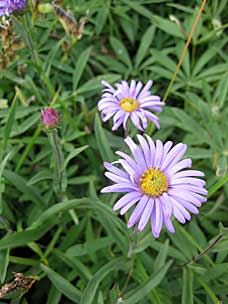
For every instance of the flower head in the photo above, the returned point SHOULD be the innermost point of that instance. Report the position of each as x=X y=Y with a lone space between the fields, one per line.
x=129 y=101
x=158 y=182
x=49 y=117
x=7 y=7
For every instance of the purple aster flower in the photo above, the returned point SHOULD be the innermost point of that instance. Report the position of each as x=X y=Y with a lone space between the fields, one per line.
x=158 y=182
x=129 y=101
x=49 y=117
x=7 y=7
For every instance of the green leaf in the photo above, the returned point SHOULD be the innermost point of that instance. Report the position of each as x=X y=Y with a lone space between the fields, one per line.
x=80 y=67
x=21 y=184
x=40 y=176
x=219 y=184
x=102 y=141
x=62 y=284
x=187 y=290
x=4 y=262
x=95 y=83
x=90 y=246
x=92 y=286
x=144 y=45
x=162 y=255
x=73 y=154
x=121 y=51
x=101 y=19
x=2 y=167
x=18 y=239
x=9 y=123
x=142 y=290
x=57 y=208
x=208 y=290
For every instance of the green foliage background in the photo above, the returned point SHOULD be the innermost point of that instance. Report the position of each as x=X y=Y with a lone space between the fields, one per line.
x=74 y=242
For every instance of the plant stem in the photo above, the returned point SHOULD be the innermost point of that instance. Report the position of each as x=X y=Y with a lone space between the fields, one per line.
x=133 y=243
x=206 y=250
x=184 y=52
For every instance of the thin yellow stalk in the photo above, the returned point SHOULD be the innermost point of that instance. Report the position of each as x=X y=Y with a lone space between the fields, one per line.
x=184 y=51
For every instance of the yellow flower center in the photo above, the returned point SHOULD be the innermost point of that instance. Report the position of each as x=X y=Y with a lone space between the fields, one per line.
x=153 y=182
x=129 y=104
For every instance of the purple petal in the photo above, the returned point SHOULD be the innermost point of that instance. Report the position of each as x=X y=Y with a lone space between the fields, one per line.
x=132 y=88
x=186 y=204
x=145 y=89
x=158 y=153
x=136 y=152
x=187 y=180
x=156 y=219
x=138 y=88
x=116 y=178
x=145 y=149
x=121 y=187
x=189 y=173
x=191 y=188
x=115 y=170
x=152 y=150
x=146 y=215
x=169 y=225
x=124 y=200
x=166 y=205
x=135 y=121
x=106 y=84
x=173 y=156
x=137 y=213
x=185 y=163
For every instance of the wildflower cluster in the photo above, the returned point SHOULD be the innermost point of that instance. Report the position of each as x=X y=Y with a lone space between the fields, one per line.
x=155 y=179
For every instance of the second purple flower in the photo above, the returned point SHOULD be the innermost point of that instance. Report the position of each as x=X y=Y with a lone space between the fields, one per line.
x=7 y=7
x=132 y=101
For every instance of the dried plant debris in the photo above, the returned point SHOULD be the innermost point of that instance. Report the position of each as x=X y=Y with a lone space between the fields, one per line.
x=18 y=287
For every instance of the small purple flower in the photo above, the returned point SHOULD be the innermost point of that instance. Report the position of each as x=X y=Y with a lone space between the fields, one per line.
x=7 y=7
x=49 y=117
x=158 y=181
x=130 y=101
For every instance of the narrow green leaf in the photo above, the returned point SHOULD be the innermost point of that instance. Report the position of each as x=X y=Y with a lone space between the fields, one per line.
x=121 y=51
x=21 y=184
x=220 y=183
x=80 y=67
x=141 y=291
x=92 y=286
x=73 y=154
x=187 y=291
x=208 y=290
x=22 y=238
x=9 y=122
x=144 y=45
x=55 y=209
x=95 y=83
x=102 y=141
x=62 y=284
x=40 y=176
x=2 y=167
x=4 y=262
x=162 y=255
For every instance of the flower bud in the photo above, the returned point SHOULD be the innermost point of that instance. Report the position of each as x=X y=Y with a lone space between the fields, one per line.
x=49 y=117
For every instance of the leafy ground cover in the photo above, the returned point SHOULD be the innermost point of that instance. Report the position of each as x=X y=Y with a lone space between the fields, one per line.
x=58 y=230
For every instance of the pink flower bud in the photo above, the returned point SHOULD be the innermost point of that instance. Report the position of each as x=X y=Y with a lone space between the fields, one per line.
x=49 y=117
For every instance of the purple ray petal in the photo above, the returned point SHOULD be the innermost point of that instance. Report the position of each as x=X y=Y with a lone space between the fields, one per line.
x=146 y=215
x=137 y=213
